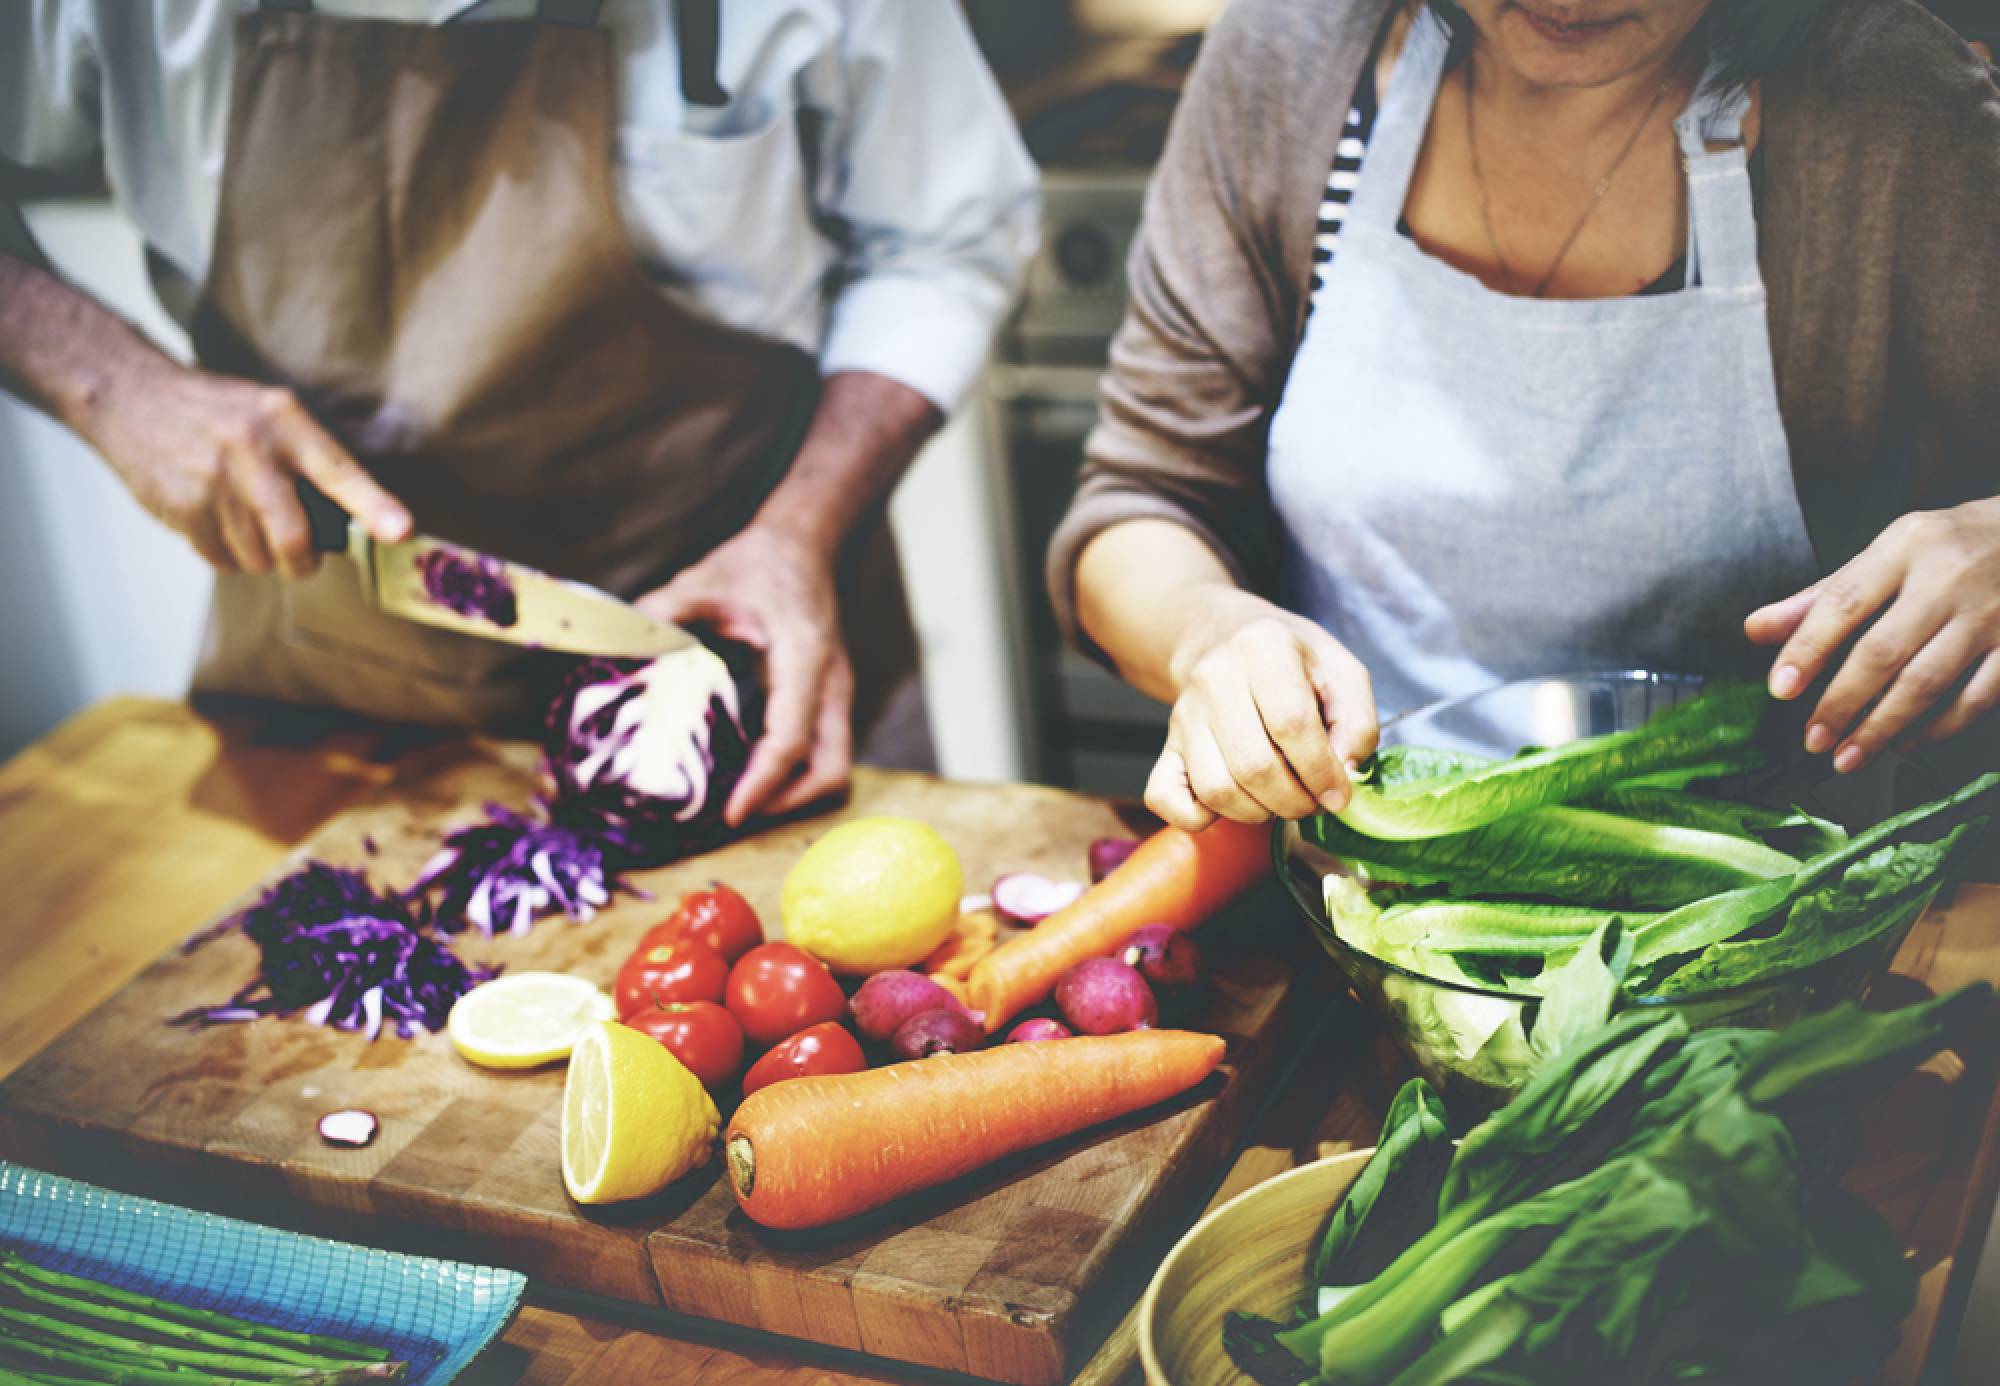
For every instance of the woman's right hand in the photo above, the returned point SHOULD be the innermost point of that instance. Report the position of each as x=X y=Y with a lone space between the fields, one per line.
x=1270 y=714
x=215 y=457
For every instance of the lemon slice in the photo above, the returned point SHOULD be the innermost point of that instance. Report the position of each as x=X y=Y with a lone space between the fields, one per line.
x=634 y=1118
x=525 y=1019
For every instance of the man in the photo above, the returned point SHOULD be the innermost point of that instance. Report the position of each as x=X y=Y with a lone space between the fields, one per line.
x=650 y=294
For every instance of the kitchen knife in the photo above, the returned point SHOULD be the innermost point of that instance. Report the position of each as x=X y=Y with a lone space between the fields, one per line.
x=487 y=596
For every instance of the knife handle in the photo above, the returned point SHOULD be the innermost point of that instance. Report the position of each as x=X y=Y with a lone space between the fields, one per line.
x=327 y=521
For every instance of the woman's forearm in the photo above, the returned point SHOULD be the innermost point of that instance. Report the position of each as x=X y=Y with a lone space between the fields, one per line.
x=1154 y=597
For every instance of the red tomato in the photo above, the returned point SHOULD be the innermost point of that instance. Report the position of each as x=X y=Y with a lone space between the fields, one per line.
x=683 y=971
x=824 y=1048
x=717 y=916
x=700 y=1034
x=777 y=989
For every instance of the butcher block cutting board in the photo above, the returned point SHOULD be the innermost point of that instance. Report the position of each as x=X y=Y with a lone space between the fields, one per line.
x=999 y=1276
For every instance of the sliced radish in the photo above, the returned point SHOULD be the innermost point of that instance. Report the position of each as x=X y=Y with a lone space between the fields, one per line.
x=1026 y=898
x=351 y=1126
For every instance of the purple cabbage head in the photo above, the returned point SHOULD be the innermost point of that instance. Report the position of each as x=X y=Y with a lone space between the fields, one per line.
x=473 y=585
x=650 y=749
x=343 y=954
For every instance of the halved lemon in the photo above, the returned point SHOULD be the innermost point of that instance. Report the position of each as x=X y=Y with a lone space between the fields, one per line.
x=634 y=1118
x=525 y=1019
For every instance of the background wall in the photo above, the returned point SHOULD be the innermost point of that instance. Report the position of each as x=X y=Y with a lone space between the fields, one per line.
x=102 y=599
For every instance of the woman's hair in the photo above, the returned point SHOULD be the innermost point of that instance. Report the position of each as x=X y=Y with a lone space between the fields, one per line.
x=1753 y=38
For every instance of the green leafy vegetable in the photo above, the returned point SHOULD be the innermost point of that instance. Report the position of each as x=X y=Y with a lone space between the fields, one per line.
x=1653 y=1207
x=1713 y=726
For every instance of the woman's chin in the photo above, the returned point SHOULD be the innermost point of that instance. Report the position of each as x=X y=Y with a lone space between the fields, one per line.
x=1584 y=55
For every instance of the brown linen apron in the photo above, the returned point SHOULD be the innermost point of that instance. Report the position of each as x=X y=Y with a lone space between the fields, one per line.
x=418 y=233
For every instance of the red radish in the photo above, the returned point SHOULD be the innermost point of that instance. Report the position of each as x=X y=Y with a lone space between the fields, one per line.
x=945 y=1030
x=1175 y=878
x=1041 y=1027
x=1103 y=996
x=1107 y=854
x=1025 y=898
x=816 y=1150
x=1168 y=959
x=888 y=999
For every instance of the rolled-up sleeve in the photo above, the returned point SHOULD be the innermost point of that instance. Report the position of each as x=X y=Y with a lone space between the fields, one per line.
x=1199 y=363
x=931 y=196
x=49 y=84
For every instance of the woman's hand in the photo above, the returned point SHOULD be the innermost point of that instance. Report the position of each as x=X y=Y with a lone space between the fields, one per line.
x=215 y=457
x=1270 y=714
x=1929 y=665
x=775 y=592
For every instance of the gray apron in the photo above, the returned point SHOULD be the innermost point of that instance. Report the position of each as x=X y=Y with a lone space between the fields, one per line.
x=1475 y=487
x=419 y=233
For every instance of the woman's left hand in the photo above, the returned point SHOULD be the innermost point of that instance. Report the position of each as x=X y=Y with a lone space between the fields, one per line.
x=776 y=594
x=1929 y=664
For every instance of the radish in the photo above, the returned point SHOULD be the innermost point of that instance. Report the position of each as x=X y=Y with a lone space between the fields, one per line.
x=1169 y=959
x=1025 y=898
x=945 y=1030
x=1103 y=996
x=1107 y=854
x=888 y=999
x=1041 y=1027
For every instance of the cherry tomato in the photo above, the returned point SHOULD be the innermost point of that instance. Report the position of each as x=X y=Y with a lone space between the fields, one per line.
x=777 y=989
x=701 y=1034
x=823 y=1048
x=717 y=916
x=682 y=971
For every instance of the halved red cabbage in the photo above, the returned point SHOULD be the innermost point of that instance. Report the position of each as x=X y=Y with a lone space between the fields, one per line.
x=344 y=954
x=649 y=750
x=507 y=872
x=471 y=584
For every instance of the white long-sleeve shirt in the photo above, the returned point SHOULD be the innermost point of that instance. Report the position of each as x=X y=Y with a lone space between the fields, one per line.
x=891 y=245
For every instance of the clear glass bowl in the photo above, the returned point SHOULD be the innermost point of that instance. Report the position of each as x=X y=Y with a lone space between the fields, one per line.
x=1472 y=1043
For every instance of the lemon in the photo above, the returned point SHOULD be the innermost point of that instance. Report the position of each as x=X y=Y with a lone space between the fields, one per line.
x=525 y=1019
x=872 y=894
x=634 y=1119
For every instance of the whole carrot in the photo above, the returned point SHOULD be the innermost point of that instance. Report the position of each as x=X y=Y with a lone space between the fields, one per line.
x=1174 y=878
x=816 y=1150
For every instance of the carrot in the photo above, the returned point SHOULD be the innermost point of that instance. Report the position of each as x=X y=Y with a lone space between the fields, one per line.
x=819 y=1149
x=1174 y=878
x=975 y=936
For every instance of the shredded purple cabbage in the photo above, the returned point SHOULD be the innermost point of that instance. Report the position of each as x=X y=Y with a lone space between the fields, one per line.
x=474 y=586
x=512 y=869
x=344 y=954
x=591 y=744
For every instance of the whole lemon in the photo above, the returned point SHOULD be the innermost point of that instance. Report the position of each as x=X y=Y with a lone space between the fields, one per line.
x=873 y=894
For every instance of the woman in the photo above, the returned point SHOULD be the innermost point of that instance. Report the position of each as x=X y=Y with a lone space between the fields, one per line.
x=1642 y=332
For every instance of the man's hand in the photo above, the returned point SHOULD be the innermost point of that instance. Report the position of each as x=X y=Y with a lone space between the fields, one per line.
x=216 y=457
x=213 y=456
x=776 y=594
x=1929 y=664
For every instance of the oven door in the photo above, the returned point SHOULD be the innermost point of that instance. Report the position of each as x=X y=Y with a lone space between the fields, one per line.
x=1088 y=729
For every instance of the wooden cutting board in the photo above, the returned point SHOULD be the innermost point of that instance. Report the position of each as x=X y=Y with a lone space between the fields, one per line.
x=998 y=1276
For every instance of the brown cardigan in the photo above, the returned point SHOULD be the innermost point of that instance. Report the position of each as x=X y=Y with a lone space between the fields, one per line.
x=1879 y=241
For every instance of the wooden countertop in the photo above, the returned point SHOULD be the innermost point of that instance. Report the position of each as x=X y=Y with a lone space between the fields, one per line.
x=138 y=821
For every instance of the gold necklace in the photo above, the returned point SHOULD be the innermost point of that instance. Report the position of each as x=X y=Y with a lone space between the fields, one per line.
x=1596 y=195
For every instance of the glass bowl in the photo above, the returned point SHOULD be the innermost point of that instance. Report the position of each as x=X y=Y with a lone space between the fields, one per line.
x=1471 y=1043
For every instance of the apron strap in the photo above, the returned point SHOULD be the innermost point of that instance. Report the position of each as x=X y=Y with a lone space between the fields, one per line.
x=1722 y=218
x=698 y=33
x=1402 y=115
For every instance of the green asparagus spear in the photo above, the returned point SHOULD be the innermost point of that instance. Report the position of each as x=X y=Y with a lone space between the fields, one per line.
x=76 y=1306
x=210 y=1319
x=235 y=1363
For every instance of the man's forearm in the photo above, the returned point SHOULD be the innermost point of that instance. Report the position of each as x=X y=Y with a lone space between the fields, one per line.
x=864 y=434
x=63 y=351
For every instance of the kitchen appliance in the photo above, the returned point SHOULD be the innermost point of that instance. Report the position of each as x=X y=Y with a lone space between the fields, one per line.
x=1096 y=121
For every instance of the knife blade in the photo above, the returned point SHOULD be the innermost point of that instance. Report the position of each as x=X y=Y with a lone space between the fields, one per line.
x=514 y=603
